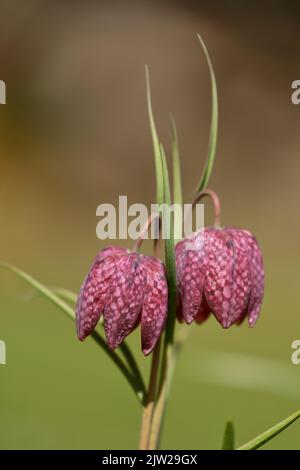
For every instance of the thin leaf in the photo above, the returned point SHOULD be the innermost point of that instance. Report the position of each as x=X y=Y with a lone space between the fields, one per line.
x=214 y=123
x=156 y=145
x=228 y=440
x=266 y=436
x=67 y=309
x=125 y=350
x=177 y=188
x=65 y=294
x=134 y=381
x=169 y=256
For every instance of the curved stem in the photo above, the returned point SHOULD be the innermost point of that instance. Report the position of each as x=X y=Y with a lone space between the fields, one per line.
x=216 y=202
x=138 y=243
x=133 y=380
x=135 y=370
x=125 y=350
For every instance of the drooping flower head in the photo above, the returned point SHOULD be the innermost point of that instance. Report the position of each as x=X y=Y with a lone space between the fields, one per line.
x=220 y=271
x=127 y=288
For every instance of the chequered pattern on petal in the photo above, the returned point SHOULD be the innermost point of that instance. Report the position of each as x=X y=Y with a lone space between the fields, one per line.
x=257 y=276
x=241 y=277
x=220 y=276
x=189 y=278
x=92 y=295
x=124 y=299
x=155 y=305
x=230 y=269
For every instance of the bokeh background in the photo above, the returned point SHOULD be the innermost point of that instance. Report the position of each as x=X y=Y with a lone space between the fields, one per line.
x=73 y=134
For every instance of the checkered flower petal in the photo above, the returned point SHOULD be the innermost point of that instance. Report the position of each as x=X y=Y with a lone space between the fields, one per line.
x=228 y=269
x=124 y=299
x=155 y=305
x=189 y=278
x=129 y=289
x=93 y=292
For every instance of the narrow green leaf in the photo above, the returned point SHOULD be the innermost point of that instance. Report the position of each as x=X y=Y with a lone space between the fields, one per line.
x=125 y=350
x=156 y=145
x=135 y=380
x=65 y=294
x=177 y=188
x=169 y=256
x=67 y=309
x=212 y=146
x=266 y=436
x=228 y=440
x=166 y=179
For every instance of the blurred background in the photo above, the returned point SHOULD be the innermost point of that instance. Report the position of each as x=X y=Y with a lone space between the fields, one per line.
x=74 y=134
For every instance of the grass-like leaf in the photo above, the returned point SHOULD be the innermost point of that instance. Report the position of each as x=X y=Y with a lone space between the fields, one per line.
x=228 y=439
x=177 y=187
x=169 y=255
x=124 y=349
x=266 y=436
x=134 y=380
x=156 y=145
x=65 y=294
x=212 y=146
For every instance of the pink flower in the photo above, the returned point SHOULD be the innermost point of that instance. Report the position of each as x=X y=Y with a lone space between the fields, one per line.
x=128 y=288
x=220 y=271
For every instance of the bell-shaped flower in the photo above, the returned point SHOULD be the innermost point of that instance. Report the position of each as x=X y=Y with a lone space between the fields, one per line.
x=220 y=271
x=128 y=288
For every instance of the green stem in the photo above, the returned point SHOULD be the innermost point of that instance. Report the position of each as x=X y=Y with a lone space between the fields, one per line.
x=168 y=362
x=160 y=407
x=150 y=400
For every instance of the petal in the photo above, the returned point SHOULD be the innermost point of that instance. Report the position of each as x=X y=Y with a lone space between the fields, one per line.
x=257 y=278
x=243 y=273
x=124 y=299
x=203 y=312
x=155 y=305
x=189 y=261
x=224 y=272
x=111 y=251
x=92 y=294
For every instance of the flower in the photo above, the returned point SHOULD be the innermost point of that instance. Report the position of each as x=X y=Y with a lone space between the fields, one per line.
x=128 y=288
x=220 y=271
